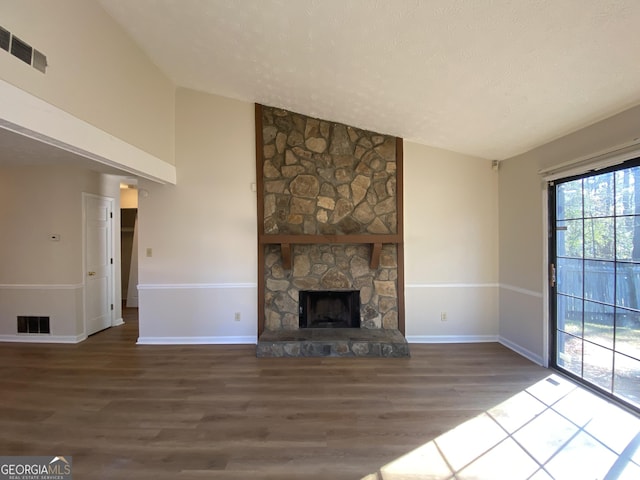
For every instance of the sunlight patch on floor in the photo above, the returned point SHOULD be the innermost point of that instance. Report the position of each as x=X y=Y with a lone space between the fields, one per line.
x=553 y=430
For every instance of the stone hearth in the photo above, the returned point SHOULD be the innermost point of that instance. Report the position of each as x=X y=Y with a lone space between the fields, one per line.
x=342 y=342
x=329 y=218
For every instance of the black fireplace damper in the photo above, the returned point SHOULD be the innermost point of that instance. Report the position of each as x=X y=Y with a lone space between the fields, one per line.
x=329 y=309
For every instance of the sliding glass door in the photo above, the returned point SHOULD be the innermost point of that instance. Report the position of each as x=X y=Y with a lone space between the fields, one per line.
x=595 y=280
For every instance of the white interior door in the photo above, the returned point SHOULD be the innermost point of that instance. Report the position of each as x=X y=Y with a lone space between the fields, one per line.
x=98 y=213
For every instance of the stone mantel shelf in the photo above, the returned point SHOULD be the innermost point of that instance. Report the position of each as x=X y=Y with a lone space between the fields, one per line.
x=285 y=242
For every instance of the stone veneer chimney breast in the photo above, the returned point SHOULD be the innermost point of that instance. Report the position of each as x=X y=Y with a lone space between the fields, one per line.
x=329 y=217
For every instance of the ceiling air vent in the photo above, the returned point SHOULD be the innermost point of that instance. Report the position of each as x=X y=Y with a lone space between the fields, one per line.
x=22 y=50
x=5 y=39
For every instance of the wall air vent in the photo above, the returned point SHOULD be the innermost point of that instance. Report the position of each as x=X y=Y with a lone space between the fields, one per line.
x=5 y=39
x=31 y=324
x=22 y=50
x=39 y=61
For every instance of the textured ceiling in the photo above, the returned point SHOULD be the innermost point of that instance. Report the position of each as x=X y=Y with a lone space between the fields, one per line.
x=491 y=78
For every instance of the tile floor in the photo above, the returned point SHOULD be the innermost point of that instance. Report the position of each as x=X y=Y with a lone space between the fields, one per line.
x=552 y=430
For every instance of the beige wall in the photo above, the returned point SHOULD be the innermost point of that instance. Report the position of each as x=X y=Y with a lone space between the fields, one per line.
x=39 y=276
x=35 y=202
x=450 y=216
x=204 y=228
x=451 y=245
x=95 y=72
x=523 y=303
x=521 y=256
x=202 y=231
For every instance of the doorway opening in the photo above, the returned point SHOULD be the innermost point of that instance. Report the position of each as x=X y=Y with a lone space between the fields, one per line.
x=129 y=249
x=129 y=256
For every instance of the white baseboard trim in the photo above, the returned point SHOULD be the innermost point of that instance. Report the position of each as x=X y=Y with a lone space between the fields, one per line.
x=43 y=338
x=451 y=338
x=117 y=322
x=236 y=340
x=537 y=359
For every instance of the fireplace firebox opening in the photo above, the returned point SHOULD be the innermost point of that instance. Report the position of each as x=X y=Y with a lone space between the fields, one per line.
x=329 y=309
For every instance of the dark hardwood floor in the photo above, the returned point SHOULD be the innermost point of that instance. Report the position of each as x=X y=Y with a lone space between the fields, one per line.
x=216 y=411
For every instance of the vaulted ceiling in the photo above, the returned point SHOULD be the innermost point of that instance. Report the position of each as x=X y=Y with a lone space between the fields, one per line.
x=490 y=78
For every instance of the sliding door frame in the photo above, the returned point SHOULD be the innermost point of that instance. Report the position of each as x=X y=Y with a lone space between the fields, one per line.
x=550 y=293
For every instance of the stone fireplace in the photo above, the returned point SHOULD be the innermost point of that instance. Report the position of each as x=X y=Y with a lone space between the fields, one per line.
x=329 y=220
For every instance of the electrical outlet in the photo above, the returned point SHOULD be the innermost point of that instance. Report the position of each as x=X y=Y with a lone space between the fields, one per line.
x=236 y=317
x=149 y=252
x=443 y=316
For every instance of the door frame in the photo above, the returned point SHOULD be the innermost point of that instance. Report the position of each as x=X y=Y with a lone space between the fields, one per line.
x=601 y=160
x=547 y=294
x=111 y=202
x=550 y=256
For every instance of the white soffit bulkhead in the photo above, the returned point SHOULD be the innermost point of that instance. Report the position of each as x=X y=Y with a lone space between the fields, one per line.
x=73 y=140
x=486 y=78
